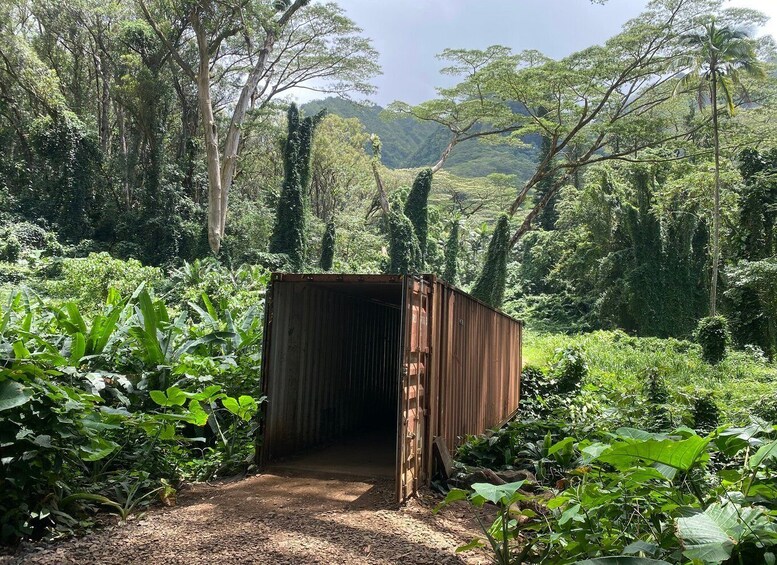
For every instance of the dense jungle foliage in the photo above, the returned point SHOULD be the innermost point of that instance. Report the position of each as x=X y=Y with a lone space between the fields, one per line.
x=621 y=200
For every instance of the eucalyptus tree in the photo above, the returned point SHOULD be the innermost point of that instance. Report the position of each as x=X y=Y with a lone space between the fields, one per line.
x=719 y=56
x=242 y=54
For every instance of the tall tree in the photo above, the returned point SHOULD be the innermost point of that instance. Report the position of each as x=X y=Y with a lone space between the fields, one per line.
x=289 y=233
x=452 y=254
x=417 y=209
x=490 y=286
x=603 y=103
x=265 y=48
x=720 y=56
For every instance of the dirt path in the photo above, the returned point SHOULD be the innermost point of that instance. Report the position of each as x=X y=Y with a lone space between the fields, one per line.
x=274 y=519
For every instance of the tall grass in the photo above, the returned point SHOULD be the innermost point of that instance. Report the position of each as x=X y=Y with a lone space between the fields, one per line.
x=743 y=384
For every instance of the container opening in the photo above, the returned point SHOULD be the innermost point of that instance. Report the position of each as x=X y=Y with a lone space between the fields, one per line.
x=332 y=377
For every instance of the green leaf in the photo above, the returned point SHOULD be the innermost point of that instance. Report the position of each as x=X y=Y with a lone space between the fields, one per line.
x=198 y=416
x=19 y=351
x=681 y=455
x=159 y=397
x=474 y=544
x=13 y=394
x=569 y=514
x=167 y=432
x=764 y=453
x=175 y=396
x=704 y=538
x=591 y=452
x=231 y=404
x=558 y=446
x=98 y=449
x=633 y=433
x=640 y=546
x=497 y=493
x=77 y=348
x=75 y=317
x=557 y=502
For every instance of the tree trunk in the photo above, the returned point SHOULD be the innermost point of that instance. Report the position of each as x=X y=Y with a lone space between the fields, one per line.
x=716 y=204
x=232 y=141
x=105 y=105
x=215 y=196
x=445 y=154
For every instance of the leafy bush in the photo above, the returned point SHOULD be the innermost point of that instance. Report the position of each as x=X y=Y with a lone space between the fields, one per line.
x=10 y=249
x=656 y=393
x=108 y=410
x=713 y=336
x=636 y=493
x=88 y=280
x=24 y=238
x=705 y=411
x=569 y=369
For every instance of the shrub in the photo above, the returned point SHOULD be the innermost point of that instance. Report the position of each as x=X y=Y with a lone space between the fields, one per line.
x=713 y=336
x=569 y=368
x=404 y=250
x=657 y=395
x=655 y=389
x=534 y=382
x=23 y=237
x=10 y=250
x=87 y=280
x=705 y=411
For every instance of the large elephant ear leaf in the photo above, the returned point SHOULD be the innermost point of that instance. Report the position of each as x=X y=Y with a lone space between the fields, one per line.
x=13 y=394
x=705 y=536
x=681 y=455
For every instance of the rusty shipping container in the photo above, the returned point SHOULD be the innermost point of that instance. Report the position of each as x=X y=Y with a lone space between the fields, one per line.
x=409 y=356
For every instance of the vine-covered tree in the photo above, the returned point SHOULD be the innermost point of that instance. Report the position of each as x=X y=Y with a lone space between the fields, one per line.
x=404 y=251
x=255 y=50
x=490 y=286
x=289 y=233
x=417 y=208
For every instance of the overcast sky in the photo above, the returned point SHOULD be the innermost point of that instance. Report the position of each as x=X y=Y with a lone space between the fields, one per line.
x=408 y=34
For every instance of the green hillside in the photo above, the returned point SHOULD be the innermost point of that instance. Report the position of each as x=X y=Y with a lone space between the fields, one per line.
x=407 y=143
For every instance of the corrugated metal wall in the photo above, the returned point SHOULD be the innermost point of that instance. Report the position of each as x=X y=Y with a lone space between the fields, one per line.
x=332 y=363
x=476 y=367
x=332 y=366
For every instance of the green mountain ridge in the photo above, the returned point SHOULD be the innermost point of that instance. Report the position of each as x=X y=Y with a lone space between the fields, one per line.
x=408 y=143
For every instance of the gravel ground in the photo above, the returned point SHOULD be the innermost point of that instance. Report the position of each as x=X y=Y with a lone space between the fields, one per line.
x=274 y=519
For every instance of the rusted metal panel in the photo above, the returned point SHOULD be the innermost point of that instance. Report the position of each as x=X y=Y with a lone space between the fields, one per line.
x=331 y=366
x=413 y=386
x=476 y=370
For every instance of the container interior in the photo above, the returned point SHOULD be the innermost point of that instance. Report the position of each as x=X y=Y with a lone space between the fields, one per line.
x=332 y=376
